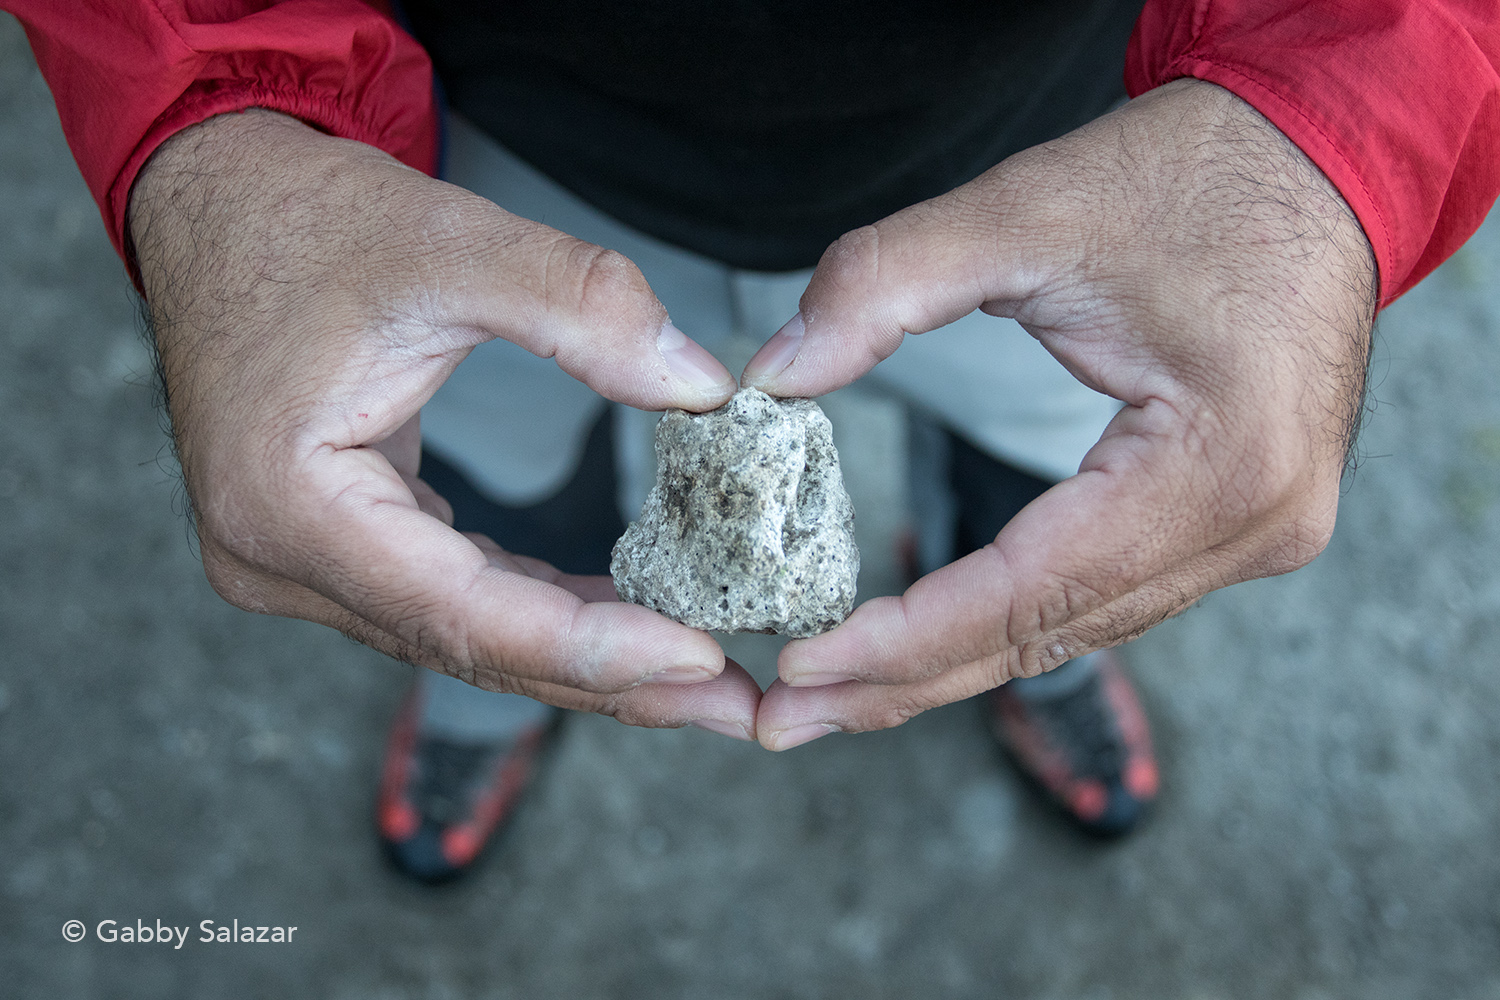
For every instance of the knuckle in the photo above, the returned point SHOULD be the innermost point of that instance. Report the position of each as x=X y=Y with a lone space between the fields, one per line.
x=995 y=670
x=1299 y=541
x=615 y=707
x=1068 y=599
x=497 y=660
x=589 y=677
x=1269 y=482
x=641 y=713
x=1288 y=503
x=853 y=260
x=581 y=660
x=241 y=541
x=357 y=629
x=592 y=280
x=892 y=713
x=231 y=580
x=902 y=712
x=1036 y=658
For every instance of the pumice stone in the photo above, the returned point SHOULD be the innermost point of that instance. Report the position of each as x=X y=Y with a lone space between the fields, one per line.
x=748 y=528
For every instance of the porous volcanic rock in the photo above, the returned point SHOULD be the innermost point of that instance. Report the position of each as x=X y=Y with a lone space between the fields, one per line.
x=749 y=528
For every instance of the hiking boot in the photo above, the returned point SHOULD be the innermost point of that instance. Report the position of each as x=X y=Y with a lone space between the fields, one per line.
x=1088 y=748
x=441 y=801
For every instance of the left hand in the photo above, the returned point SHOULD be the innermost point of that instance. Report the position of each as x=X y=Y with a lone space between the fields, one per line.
x=1179 y=254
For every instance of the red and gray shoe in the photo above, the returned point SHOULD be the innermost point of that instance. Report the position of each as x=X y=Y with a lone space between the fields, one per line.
x=440 y=802
x=1088 y=749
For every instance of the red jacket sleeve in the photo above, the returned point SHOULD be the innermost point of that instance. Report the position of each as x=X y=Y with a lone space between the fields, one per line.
x=1397 y=101
x=127 y=74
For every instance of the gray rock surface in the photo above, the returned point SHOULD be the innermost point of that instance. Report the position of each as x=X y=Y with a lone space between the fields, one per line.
x=749 y=528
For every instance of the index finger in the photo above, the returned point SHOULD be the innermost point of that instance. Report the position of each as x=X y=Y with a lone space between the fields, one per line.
x=1150 y=525
x=359 y=541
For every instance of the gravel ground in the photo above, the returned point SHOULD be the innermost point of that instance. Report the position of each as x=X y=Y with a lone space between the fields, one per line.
x=1330 y=738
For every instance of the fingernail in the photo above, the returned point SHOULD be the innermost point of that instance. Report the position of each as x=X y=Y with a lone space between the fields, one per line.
x=679 y=675
x=777 y=353
x=798 y=735
x=731 y=729
x=817 y=680
x=687 y=359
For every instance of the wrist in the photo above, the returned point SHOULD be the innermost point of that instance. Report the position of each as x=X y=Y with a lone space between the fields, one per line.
x=189 y=169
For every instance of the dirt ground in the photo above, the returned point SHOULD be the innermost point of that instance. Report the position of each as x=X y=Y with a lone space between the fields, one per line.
x=1330 y=739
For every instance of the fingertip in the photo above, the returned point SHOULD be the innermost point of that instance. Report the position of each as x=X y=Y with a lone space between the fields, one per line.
x=815 y=678
x=695 y=673
x=786 y=739
x=724 y=727
x=818 y=661
x=696 y=650
x=695 y=659
x=830 y=657
x=726 y=704
x=775 y=356
x=614 y=647
x=704 y=382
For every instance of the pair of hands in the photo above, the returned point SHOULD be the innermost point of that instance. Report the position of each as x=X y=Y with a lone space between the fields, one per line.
x=309 y=294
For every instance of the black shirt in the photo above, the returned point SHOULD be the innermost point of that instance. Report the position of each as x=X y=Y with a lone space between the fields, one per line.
x=759 y=132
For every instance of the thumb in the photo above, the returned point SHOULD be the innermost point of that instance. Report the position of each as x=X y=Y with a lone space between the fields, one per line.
x=592 y=310
x=914 y=271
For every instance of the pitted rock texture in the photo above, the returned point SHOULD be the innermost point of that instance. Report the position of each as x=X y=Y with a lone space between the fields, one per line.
x=749 y=528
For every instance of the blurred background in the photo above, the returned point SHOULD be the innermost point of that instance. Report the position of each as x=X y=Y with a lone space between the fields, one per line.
x=1330 y=739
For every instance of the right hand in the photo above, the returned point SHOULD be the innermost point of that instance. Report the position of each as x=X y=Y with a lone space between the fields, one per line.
x=308 y=295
